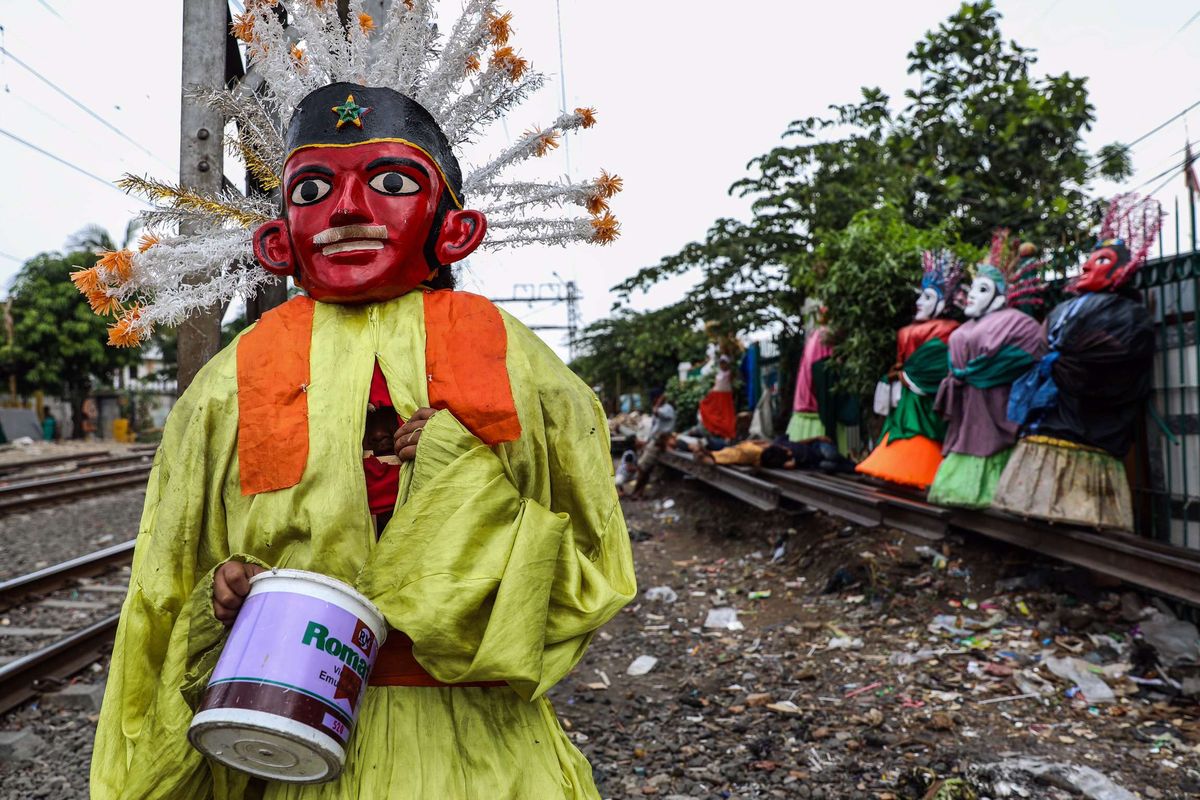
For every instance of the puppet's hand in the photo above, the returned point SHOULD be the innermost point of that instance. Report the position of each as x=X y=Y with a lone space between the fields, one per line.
x=410 y=433
x=231 y=584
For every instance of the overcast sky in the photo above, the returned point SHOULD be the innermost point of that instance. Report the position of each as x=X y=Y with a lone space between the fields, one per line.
x=686 y=92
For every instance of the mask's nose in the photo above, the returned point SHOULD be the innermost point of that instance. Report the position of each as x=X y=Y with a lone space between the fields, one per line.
x=349 y=204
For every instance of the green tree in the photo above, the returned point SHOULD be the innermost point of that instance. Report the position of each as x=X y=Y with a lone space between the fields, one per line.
x=982 y=142
x=58 y=345
x=987 y=143
x=635 y=351
x=868 y=305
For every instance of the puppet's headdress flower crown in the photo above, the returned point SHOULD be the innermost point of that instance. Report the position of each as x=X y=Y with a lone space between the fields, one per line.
x=942 y=271
x=1016 y=269
x=1131 y=223
x=465 y=81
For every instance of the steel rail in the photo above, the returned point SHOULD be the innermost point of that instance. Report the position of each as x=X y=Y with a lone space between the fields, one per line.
x=23 y=494
x=761 y=494
x=46 y=461
x=1162 y=568
x=20 y=679
x=43 y=581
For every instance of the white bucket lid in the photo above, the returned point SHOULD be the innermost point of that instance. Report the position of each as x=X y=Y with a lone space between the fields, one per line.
x=331 y=590
x=266 y=745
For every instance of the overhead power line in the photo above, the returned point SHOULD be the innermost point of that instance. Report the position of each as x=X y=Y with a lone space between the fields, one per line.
x=1187 y=24
x=1168 y=173
x=50 y=8
x=79 y=104
x=1094 y=168
x=64 y=162
x=1162 y=125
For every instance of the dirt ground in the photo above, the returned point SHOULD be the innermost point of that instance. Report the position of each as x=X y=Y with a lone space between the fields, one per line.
x=870 y=664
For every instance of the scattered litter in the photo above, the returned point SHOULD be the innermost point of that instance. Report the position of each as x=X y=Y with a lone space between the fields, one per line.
x=641 y=665
x=1079 y=672
x=664 y=594
x=1010 y=779
x=1176 y=642
x=844 y=643
x=723 y=618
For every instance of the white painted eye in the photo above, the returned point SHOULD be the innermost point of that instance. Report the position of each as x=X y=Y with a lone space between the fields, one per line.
x=309 y=191
x=394 y=183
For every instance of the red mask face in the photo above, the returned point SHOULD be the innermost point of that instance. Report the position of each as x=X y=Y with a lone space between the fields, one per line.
x=1100 y=271
x=359 y=221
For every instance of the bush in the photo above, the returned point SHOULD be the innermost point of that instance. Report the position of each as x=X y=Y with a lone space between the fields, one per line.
x=867 y=275
x=686 y=398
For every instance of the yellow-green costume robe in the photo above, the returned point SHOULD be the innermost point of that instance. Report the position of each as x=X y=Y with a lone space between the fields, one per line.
x=500 y=562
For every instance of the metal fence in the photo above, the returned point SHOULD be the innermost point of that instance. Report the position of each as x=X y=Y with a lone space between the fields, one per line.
x=1165 y=464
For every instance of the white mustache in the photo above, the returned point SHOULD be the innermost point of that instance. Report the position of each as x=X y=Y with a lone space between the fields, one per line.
x=331 y=235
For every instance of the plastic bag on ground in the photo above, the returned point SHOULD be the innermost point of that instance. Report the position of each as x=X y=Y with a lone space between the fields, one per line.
x=1078 y=671
x=664 y=594
x=724 y=618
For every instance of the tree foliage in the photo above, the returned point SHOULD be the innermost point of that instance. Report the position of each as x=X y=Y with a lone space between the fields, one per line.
x=981 y=142
x=58 y=345
x=634 y=351
x=867 y=306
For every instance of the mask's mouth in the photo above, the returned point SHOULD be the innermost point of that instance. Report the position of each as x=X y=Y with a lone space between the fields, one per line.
x=348 y=238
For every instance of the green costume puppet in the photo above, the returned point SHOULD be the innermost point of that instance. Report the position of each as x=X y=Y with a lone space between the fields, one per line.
x=494 y=550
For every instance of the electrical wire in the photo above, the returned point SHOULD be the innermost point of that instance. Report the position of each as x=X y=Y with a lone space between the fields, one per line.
x=562 y=83
x=1100 y=163
x=5 y=51
x=68 y=164
x=1187 y=24
x=50 y=8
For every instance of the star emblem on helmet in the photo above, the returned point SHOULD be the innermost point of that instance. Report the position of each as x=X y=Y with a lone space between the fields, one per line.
x=350 y=111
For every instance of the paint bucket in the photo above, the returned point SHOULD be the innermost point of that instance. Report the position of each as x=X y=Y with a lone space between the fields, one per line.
x=282 y=701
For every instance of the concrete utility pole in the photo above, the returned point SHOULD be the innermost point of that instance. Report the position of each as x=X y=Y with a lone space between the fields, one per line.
x=201 y=159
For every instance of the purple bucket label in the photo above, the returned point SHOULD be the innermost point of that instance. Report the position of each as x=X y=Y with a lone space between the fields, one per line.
x=296 y=656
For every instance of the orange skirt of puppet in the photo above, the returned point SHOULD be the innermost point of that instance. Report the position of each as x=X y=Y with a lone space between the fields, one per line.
x=911 y=462
x=718 y=415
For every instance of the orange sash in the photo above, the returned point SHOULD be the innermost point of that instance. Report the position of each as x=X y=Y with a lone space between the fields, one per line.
x=466 y=349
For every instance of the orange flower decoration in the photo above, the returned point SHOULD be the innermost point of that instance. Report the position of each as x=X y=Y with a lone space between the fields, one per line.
x=597 y=205
x=545 y=143
x=366 y=23
x=506 y=58
x=499 y=28
x=472 y=64
x=118 y=263
x=123 y=333
x=86 y=280
x=298 y=56
x=605 y=229
x=589 y=116
x=147 y=241
x=608 y=185
x=101 y=301
x=243 y=27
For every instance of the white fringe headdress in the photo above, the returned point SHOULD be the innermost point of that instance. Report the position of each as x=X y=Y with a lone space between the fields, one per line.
x=467 y=79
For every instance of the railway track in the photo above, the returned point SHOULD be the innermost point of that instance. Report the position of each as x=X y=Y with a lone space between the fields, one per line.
x=91 y=476
x=78 y=459
x=27 y=675
x=1166 y=569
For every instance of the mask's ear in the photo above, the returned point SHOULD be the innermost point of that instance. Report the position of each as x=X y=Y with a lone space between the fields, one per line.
x=462 y=231
x=273 y=248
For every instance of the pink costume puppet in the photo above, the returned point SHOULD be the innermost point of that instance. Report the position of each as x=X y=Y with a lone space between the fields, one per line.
x=806 y=422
